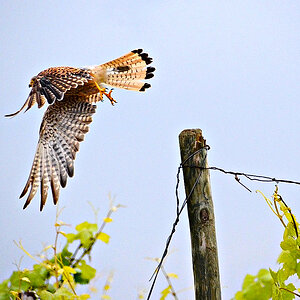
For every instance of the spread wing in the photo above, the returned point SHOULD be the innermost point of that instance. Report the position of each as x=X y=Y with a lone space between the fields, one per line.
x=51 y=85
x=63 y=127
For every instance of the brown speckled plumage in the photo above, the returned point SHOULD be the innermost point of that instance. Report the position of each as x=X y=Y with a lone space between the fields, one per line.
x=70 y=93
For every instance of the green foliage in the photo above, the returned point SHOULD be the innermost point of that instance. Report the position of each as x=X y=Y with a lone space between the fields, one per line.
x=58 y=276
x=269 y=284
x=256 y=287
x=84 y=273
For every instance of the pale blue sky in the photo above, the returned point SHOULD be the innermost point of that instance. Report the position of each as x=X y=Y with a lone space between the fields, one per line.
x=230 y=68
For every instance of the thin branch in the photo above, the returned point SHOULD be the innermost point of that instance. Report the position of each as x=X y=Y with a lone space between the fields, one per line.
x=282 y=288
x=54 y=247
x=292 y=216
x=169 y=282
x=55 y=257
x=75 y=253
x=69 y=282
x=93 y=241
x=278 y=213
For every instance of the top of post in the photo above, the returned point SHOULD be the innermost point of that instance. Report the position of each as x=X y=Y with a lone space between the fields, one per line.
x=193 y=137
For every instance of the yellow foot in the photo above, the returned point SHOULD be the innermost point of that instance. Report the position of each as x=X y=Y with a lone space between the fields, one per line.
x=112 y=100
x=102 y=92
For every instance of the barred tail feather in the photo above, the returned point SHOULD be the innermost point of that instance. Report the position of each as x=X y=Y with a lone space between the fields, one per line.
x=128 y=71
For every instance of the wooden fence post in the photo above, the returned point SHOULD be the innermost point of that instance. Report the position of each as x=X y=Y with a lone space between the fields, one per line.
x=201 y=216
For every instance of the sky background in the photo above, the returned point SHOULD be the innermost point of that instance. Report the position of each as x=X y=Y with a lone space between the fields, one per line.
x=231 y=68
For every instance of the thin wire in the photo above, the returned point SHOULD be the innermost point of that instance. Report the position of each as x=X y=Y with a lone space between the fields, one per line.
x=251 y=177
x=178 y=213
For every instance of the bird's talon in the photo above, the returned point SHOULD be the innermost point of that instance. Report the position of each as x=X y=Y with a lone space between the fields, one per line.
x=108 y=95
x=103 y=91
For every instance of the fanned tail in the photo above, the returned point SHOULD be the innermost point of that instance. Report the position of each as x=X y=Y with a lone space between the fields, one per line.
x=126 y=72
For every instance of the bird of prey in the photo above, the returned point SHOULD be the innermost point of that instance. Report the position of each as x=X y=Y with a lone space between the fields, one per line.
x=70 y=93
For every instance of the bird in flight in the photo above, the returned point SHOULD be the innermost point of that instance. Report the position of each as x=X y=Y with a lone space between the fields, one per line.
x=70 y=93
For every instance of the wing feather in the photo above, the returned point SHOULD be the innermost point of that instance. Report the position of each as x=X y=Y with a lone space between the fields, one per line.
x=54 y=175
x=34 y=177
x=63 y=127
x=44 y=176
x=52 y=84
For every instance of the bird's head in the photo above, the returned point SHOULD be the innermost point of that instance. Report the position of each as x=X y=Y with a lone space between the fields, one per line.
x=32 y=81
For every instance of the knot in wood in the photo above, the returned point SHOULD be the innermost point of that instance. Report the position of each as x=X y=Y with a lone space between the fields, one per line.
x=204 y=215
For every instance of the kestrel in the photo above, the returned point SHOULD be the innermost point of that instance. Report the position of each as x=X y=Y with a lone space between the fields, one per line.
x=70 y=93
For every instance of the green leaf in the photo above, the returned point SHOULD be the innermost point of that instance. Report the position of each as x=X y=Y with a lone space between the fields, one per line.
x=83 y=297
x=289 y=231
x=103 y=237
x=239 y=296
x=36 y=281
x=79 y=279
x=273 y=274
x=257 y=291
x=257 y=287
x=87 y=226
x=265 y=276
x=291 y=287
x=42 y=271
x=63 y=292
x=4 y=284
x=88 y=272
x=282 y=275
x=45 y=295
x=288 y=244
x=249 y=279
x=5 y=295
x=288 y=295
x=288 y=260
x=86 y=237
x=84 y=273
x=276 y=294
x=16 y=282
x=4 y=290
x=298 y=269
x=65 y=256
x=50 y=288
x=71 y=237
